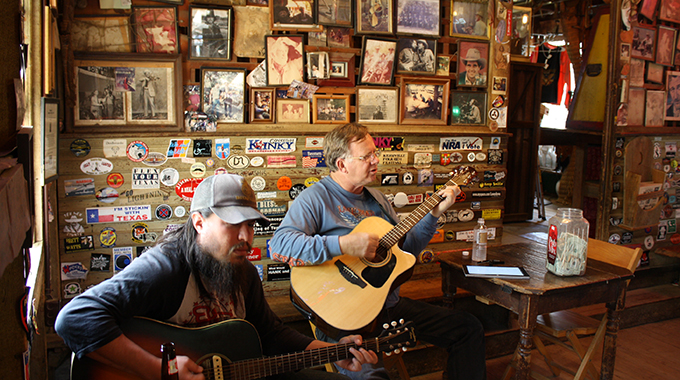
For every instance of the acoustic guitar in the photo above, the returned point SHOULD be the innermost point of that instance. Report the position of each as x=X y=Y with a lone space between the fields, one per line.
x=231 y=350
x=346 y=294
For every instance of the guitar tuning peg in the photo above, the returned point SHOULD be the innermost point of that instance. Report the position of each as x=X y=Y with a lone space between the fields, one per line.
x=388 y=353
x=404 y=349
x=394 y=323
x=386 y=326
x=401 y=321
x=396 y=350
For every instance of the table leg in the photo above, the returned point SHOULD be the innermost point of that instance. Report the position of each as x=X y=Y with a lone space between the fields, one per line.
x=448 y=287
x=527 y=322
x=609 y=346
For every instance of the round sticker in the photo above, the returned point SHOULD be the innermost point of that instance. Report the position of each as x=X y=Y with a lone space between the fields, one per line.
x=220 y=171
x=96 y=166
x=494 y=113
x=480 y=156
x=197 y=170
x=466 y=215
x=258 y=183
x=471 y=157
x=295 y=190
x=107 y=195
x=236 y=161
x=456 y=157
x=72 y=289
x=210 y=162
x=180 y=211
x=137 y=151
x=499 y=101
x=107 y=237
x=310 y=181
x=257 y=161
x=614 y=238
x=284 y=183
x=169 y=177
x=400 y=200
x=649 y=242
x=407 y=179
x=163 y=212
x=80 y=147
x=618 y=170
x=450 y=235
x=141 y=234
x=426 y=256
x=185 y=188
x=675 y=238
x=155 y=159
x=115 y=180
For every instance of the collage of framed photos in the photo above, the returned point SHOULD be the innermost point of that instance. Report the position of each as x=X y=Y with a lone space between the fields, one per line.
x=388 y=48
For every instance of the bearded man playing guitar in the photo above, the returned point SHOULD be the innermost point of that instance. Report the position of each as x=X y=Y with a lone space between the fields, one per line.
x=321 y=226
x=196 y=275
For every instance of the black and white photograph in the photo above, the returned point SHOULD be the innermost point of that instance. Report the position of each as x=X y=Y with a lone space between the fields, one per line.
x=211 y=33
x=374 y=17
x=420 y=17
x=334 y=12
x=643 y=43
x=293 y=15
x=665 y=45
x=673 y=95
x=223 y=94
x=637 y=72
x=149 y=100
x=470 y=19
x=424 y=101
x=98 y=97
x=377 y=105
x=330 y=109
x=262 y=102
x=318 y=65
x=417 y=56
x=468 y=107
x=655 y=109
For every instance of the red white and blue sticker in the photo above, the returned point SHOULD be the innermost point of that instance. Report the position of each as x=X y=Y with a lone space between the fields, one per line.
x=270 y=145
x=155 y=159
x=73 y=271
x=118 y=214
x=313 y=159
x=106 y=195
x=460 y=143
x=222 y=148
x=137 y=151
x=145 y=178
x=96 y=166
x=163 y=212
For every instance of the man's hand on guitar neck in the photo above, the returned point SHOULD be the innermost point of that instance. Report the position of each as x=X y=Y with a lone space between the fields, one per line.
x=359 y=244
x=449 y=193
x=361 y=356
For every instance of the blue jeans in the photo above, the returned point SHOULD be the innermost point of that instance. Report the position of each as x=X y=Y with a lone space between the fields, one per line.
x=456 y=331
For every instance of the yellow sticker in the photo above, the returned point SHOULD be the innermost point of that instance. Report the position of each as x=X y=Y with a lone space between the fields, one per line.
x=491 y=214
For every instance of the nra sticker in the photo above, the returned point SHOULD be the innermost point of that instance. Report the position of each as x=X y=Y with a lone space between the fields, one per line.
x=137 y=151
x=278 y=272
x=202 y=148
x=115 y=180
x=141 y=234
x=391 y=179
x=180 y=211
x=258 y=183
x=96 y=166
x=107 y=237
x=100 y=262
x=296 y=190
x=466 y=215
x=237 y=161
x=163 y=212
x=256 y=161
x=72 y=289
x=80 y=147
x=185 y=188
x=255 y=254
x=284 y=183
x=426 y=256
x=198 y=170
x=649 y=242
x=614 y=238
x=106 y=195
x=407 y=178
x=155 y=159
x=310 y=181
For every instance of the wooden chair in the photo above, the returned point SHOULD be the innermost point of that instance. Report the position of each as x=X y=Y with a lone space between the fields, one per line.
x=564 y=327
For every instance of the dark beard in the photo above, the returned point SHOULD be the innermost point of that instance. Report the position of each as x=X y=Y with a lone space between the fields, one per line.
x=221 y=280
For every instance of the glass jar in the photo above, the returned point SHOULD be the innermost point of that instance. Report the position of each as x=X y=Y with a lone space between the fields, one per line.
x=567 y=243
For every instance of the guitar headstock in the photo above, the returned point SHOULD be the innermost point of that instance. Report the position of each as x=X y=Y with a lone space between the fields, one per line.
x=396 y=337
x=463 y=175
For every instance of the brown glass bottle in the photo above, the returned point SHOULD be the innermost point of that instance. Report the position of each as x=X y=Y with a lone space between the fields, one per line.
x=169 y=370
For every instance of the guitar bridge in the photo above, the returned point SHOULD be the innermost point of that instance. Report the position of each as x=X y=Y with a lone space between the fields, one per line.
x=349 y=274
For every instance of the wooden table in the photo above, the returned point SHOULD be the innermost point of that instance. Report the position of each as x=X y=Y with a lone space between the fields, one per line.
x=543 y=293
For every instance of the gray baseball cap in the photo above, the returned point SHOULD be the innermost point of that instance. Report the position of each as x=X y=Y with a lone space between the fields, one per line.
x=230 y=197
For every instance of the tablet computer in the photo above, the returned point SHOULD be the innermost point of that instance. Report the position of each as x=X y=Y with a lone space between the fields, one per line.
x=492 y=271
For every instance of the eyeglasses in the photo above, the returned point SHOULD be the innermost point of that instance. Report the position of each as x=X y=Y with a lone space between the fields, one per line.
x=366 y=157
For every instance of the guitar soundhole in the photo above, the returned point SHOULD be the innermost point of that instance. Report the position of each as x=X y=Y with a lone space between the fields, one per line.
x=382 y=255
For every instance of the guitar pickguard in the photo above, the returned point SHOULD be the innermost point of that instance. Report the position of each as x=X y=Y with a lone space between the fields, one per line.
x=377 y=276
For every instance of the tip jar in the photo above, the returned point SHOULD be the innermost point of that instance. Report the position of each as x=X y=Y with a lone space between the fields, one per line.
x=567 y=243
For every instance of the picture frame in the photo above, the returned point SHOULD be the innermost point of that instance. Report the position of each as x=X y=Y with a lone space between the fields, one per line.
x=416 y=56
x=338 y=70
x=672 y=95
x=520 y=40
x=334 y=12
x=423 y=101
x=654 y=73
x=262 y=105
x=316 y=38
x=101 y=34
x=50 y=138
x=374 y=17
x=643 y=42
x=648 y=8
x=285 y=58
x=283 y=17
x=330 y=109
x=155 y=30
x=654 y=108
x=292 y=111
x=377 y=105
x=257 y=3
x=318 y=65
x=665 y=45
x=174 y=2
x=223 y=92
x=469 y=19
x=637 y=72
x=468 y=107
x=473 y=59
x=499 y=85
x=625 y=52
x=338 y=37
x=251 y=24
x=145 y=90
x=419 y=17
x=668 y=11
x=443 y=65
x=676 y=59
x=339 y=78
x=377 y=61
x=636 y=106
x=211 y=32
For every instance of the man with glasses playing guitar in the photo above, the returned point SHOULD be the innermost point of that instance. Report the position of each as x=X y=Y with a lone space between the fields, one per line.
x=333 y=228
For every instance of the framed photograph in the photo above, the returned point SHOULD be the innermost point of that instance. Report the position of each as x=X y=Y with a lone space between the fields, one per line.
x=637 y=72
x=223 y=94
x=421 y=17
x=636 y=106
x=258 y=3
x=50 y=138
x=342 y=70
x=643 y=42
x=262 y=105
x=470 y=19
x=468 y=107
x=443 y=65
x=330 y=109
x=251 y=24
x=377 y=105
x=292 y=111
x=669 y=11
x=472 y=63
x=520 y=39
x=106 y=34
x=155 y=29
x=374 y=17
x=655 y=108
x=676 y=59
x=654 y=73
x=174 y=2
x=285 y=59
x=673 y=95
x=665 y=45
x=424 y=101
x=338 y=70
x=377 y=61
x=338 y=37
x=318 y=65
x=292 y=15
x=625 y=52
x=416 y=56
x=499 y=85
x=334 y=12
x=648 y=8
x=211 y=33
x=316 y=38
x=128 y=91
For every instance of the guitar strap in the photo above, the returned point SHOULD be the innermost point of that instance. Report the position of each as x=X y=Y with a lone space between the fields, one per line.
x=370 y=196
